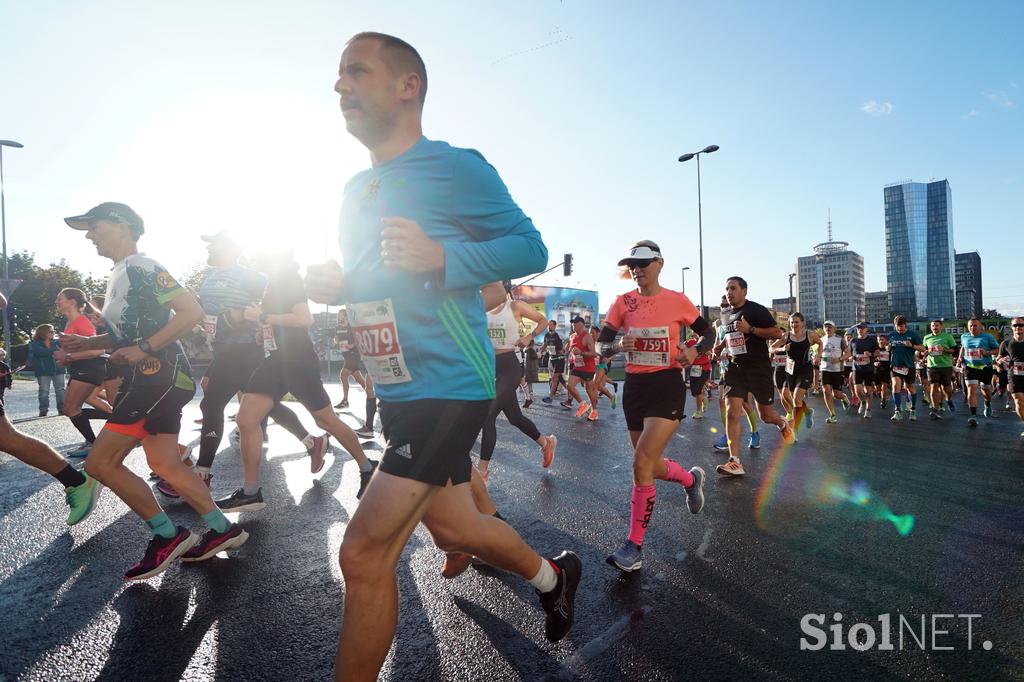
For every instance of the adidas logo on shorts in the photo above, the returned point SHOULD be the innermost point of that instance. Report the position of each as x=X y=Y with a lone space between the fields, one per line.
x=404 y=451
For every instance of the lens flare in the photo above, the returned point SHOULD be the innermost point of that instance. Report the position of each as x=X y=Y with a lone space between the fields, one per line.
x=816 y=483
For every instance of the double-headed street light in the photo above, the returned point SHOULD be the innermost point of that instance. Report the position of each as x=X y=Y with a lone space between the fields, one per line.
x=3 y=227
x=700 y=229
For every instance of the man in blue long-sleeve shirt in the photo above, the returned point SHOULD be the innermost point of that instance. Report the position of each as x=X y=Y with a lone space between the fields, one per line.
x=421 y=231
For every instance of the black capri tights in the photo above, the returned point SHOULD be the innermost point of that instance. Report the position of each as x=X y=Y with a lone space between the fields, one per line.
x=507 y=372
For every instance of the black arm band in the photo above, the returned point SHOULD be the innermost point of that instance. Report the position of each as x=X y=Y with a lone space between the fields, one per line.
x=606 y=341
x=707 y=335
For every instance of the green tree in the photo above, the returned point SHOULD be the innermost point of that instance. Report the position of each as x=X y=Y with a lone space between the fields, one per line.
x=34 y=299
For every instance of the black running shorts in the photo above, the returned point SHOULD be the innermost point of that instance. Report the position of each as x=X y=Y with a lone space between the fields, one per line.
x=90 y=371
x=234 y=365
x=833 y=379
x=557 y=365
x=941 y=375
x=883 y=374
x=158 y=408
x=802 y=377
x=353 y=361
x=278 y=375
x=697 y=383
x=740 y=382
x=864 y=375
x=780 y=377
x=580 y=374
x=429 y=440
x=1003 y=377
x=910 y=378
x=1016 y=386
x=653 y=394
x=113 y=371
x=980 y=374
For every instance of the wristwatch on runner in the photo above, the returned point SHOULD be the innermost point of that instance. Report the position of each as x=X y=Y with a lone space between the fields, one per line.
x=144 y=346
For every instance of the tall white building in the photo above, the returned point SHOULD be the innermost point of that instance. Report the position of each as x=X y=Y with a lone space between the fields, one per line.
x=830 y=284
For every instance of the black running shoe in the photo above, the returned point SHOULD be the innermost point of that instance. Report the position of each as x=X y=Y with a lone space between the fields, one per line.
x=364 y=478
x=214 y=542
x=161 y=553
x=365 y=432
x=238 y=501
x=558 y=603
x=342 y=405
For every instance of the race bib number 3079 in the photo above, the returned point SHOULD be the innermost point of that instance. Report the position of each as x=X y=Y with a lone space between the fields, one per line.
x=376 y=334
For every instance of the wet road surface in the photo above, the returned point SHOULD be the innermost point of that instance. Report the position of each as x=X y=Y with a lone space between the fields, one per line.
x=811 y=529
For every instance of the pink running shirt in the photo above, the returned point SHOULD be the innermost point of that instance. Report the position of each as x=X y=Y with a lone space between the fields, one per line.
x=655 y=321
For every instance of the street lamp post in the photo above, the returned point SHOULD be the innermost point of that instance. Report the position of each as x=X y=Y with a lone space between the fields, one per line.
x=792 y=301
x=3 y=227
x=700 y=228
x=684 y=278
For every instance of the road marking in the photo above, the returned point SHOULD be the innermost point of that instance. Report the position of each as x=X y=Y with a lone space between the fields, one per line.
x=571 y=669
x=704 y=544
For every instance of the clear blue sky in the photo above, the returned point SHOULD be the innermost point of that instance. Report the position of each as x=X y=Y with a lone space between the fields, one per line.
x=209 y=115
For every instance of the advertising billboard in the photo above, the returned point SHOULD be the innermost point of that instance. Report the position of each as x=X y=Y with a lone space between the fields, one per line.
x=560 y=304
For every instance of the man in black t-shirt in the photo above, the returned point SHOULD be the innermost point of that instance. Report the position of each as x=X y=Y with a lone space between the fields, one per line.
x=1011 y=357
x=555 y=348
x=748 y=326
x=864 y=349
x=290 y=365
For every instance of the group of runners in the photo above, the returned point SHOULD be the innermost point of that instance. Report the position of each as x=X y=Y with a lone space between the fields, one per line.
x=430 y=238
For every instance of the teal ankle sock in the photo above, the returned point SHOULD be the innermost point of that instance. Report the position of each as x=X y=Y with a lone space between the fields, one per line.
x=161 y=526
x=216 y=520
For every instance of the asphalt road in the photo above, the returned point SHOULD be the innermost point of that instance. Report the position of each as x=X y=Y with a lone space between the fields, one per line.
x=721 y=595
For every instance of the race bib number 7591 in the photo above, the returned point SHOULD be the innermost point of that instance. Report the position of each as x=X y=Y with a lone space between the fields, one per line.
x=651 y=348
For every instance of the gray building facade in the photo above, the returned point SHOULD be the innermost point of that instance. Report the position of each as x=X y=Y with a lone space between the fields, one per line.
x=830 y=285
x=968 y=285
x=919 y=249
x=876 y=307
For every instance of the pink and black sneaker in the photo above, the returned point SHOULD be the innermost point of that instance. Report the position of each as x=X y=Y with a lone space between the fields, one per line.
x=161 y=553
x=170 y=492
x=214 y=542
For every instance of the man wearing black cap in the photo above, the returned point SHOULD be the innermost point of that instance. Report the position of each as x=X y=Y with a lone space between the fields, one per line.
x=864 y=349
x=143 y=334
x=226 y=292
x=583 y=358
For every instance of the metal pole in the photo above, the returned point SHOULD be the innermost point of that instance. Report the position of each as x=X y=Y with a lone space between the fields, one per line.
x=684 y=281
x=7 y=274
x=792 y=302
x=700 y=239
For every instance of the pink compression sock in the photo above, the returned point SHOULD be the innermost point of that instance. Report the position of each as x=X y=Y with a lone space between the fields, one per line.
x=641 y=506
x=677 y=473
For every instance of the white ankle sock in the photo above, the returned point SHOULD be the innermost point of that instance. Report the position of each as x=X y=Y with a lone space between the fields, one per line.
x=546 y=578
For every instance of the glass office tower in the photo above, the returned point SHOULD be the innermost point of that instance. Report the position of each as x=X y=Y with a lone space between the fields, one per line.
x=919 y=249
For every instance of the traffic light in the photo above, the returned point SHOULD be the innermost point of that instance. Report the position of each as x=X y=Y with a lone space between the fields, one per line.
x=567 y=265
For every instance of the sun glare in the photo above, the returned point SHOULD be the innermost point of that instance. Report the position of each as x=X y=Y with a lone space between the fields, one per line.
x=268 y=165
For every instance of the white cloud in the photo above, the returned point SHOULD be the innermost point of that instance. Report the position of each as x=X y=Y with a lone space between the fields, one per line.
x=971 y=114
x=875 y=108
x=1002 y=98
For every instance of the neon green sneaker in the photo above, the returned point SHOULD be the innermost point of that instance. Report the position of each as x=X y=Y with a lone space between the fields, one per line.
x=82 y=499
x=615 y=400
